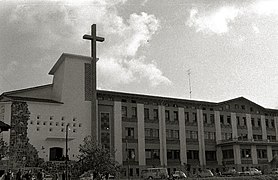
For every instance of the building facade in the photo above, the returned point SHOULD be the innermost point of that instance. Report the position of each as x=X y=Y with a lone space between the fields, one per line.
x=145 y=131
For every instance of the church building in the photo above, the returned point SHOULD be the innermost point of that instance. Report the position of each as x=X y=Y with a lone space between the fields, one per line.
x=146 y=131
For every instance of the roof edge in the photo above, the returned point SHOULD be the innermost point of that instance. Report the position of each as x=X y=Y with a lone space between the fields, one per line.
x=26 y=89
x=62 y=58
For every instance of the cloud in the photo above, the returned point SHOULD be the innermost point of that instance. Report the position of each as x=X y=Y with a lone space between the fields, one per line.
x=220 y=20
x=265 y=7
x=123 y=58
x=216 y=22
x=51 y=27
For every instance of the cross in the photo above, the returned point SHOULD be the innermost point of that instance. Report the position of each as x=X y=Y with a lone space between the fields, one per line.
x=94 y=38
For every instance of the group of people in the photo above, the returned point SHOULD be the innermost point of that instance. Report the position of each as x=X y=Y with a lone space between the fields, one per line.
x=19 y=175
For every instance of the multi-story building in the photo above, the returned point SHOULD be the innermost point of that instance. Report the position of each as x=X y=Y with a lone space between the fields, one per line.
x=144 y=130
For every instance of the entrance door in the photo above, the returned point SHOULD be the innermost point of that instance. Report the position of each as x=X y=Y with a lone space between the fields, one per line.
x=56 y=154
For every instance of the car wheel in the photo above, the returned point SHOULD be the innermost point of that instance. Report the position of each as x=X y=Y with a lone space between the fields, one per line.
x=150 y=178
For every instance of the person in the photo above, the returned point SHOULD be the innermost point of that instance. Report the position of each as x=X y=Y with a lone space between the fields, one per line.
x=28 y=175
x=19 y=175
x=64 y=175
x=40 y=175
x=9 y=175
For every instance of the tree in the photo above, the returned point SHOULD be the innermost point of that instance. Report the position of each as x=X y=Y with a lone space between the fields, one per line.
x=96 y=158
x=3 y=149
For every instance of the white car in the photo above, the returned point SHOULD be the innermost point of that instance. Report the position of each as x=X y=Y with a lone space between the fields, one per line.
x=252 y=172
x=178 y=175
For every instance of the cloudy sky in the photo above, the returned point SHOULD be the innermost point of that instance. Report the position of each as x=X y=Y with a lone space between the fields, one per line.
x=229 y=46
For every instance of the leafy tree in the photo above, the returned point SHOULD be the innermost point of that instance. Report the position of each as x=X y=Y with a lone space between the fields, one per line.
x=3 y=148
x=97 y=159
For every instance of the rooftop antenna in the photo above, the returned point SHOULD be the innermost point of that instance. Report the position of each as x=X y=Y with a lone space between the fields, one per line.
x=189 y=81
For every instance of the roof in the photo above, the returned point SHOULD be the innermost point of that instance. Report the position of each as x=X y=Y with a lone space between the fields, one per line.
x=18 y=98
x=27 y=89
x=16 y=95
x=62 y=58
x=161 y=98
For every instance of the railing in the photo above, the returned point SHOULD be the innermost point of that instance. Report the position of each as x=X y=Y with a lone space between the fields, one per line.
x=245 y=140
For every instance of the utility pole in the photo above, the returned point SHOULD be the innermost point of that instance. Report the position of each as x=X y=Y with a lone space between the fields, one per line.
x=66 y=162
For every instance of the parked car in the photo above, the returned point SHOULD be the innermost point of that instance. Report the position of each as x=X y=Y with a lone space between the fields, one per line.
x=178 y=175
x=274 y=171
x=205 y=173
x=155 y=173
x=230 y=172
x=251 y=172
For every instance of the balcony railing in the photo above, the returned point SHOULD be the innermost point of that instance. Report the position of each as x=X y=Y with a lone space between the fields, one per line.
x=246 y=141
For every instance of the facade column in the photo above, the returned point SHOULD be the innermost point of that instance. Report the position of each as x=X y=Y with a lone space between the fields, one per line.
x=6 y=108
x=264 y=134
x=234 y=125
x=219 y=155
x=269 y=153
x=276 y=127
x=141 y=135
x=182 y=135
x=249 y=127
x=254 y=155
x=118 y=131
x=162 y=135
x=218 y=132
x=237 y=158
x=201 y=139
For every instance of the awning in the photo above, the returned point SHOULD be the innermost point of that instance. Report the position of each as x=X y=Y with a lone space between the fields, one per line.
x=4 y=126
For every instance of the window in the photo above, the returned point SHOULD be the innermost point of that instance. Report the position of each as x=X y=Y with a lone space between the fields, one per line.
x=155 y=113
x=272 y=123
x=221 y=119
x=186 y=116
x=194 y=117
x=133 y=101
x=227 y=106
x=62 y=124
x=134 y=112
x=253 y=121
x=228 y=154
x=205 y=119
x=31 y=122
x=129 y=132
x=50 y=129
x=251 y=109
x=44 y=123
x=262 y=153
x=80 y=125
x=124 y=111
x=38 y=129
x=51 y=117
x=131 y=153
x=57 y=124
x=38 y=122
x=210 y=155
x=212 y=118
x=167 y=115
x=238 y=120
x=62 y=130
x=229 y=120
x=245 y=153
x=266 y=123
x=63 y=118
x=38 y=116
x=259 y=122
x=176 y=116
x=243 y=107
x=74 y=124
x=146 y=113
x=236 y=106
x=74 y=130
x=74 y=119
x=244 y=121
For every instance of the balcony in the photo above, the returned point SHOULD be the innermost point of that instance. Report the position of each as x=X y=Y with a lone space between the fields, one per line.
x=246 y=141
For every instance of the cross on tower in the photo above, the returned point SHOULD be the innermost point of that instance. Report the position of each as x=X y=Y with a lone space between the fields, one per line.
x=93 y=38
